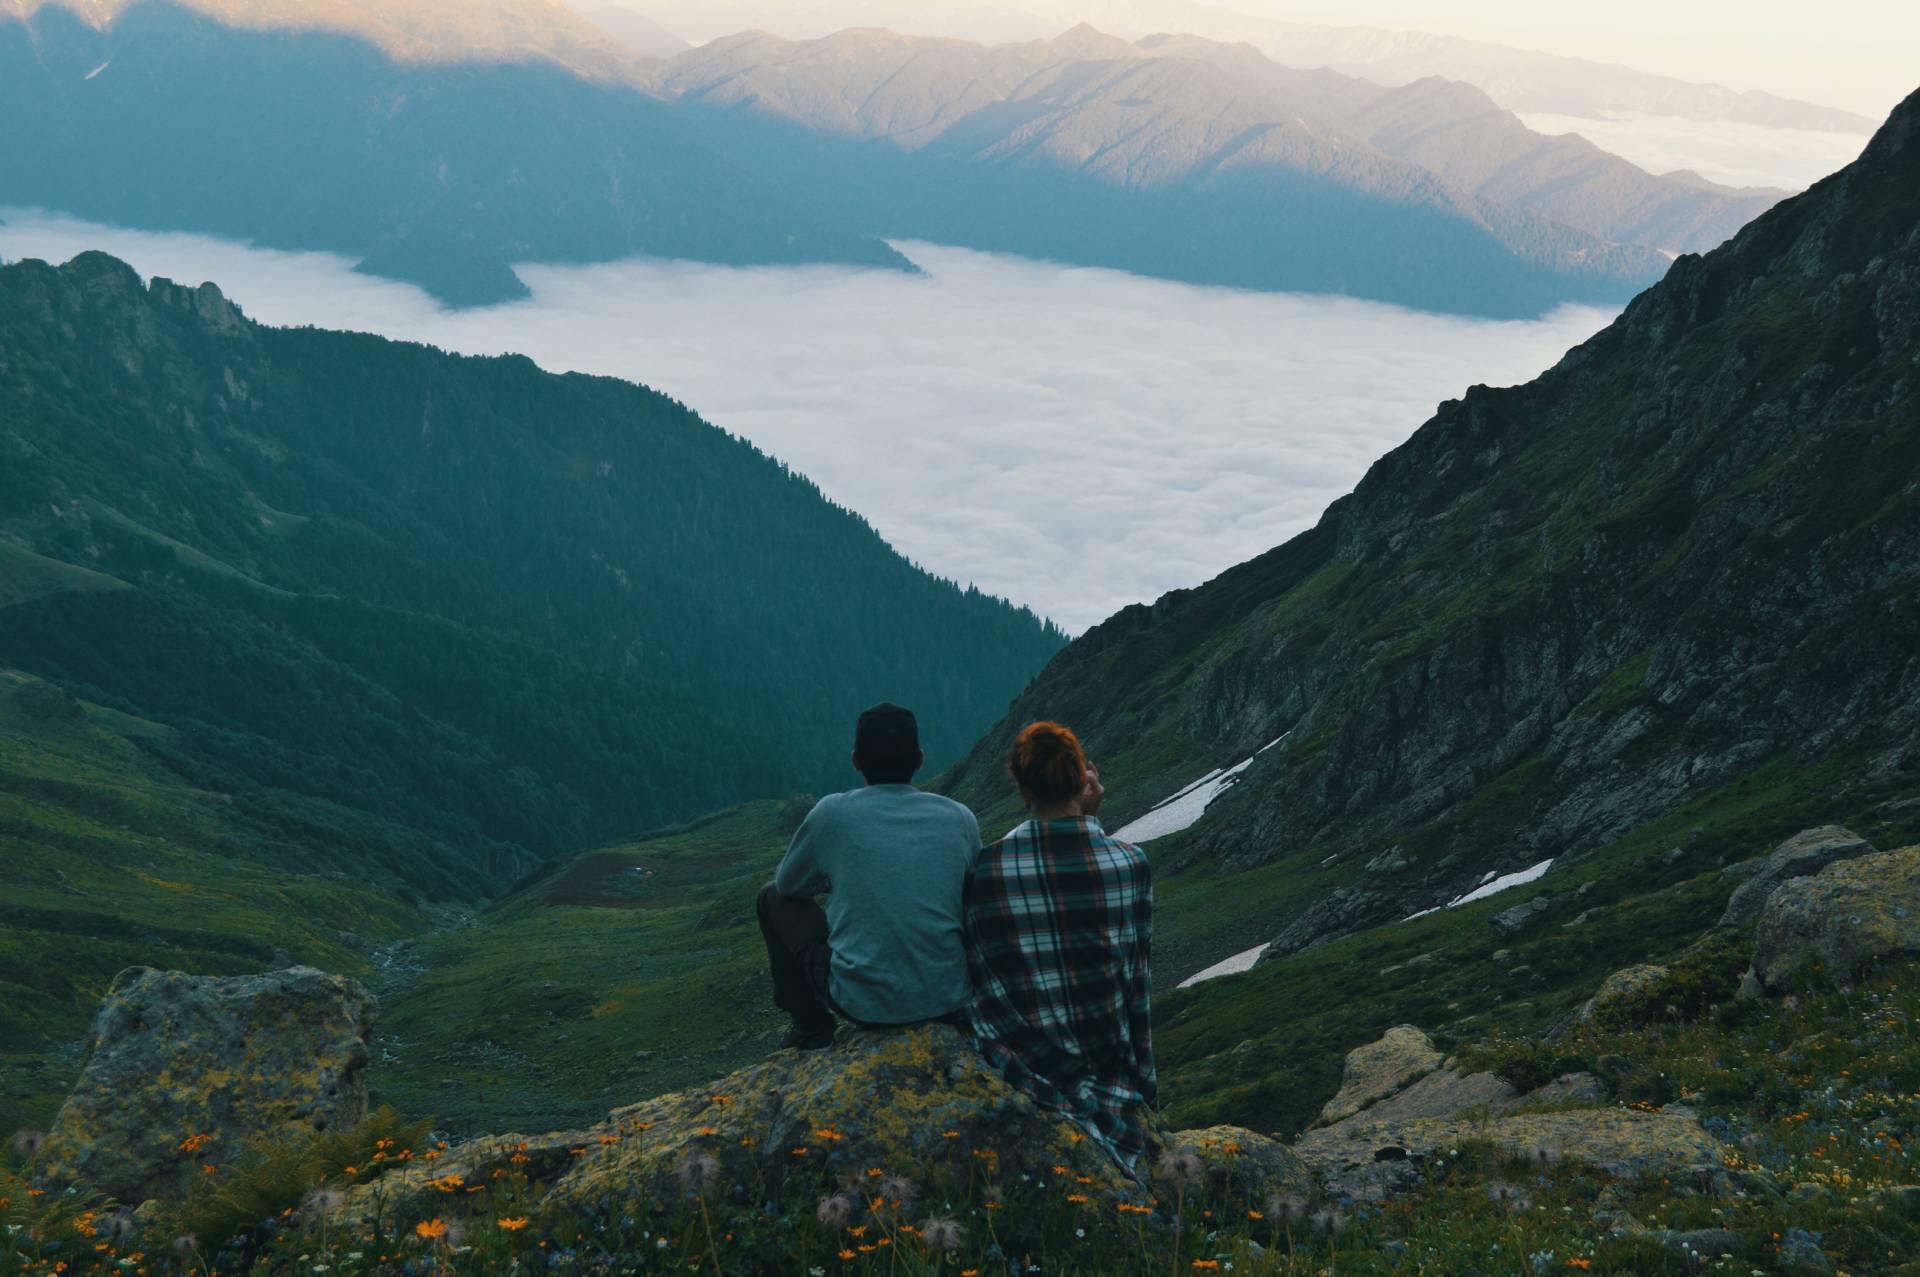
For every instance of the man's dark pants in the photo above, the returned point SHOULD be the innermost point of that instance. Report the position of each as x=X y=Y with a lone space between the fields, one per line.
x=798 y=953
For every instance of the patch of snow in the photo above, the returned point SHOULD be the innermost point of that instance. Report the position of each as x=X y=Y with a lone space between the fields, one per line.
x=1238 y=963
x=1503 y=883
x=1490 y=886
x=97 y=70
x=1185 y=808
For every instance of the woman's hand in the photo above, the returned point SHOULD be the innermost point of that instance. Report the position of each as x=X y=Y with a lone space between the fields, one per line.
x=1093 y=794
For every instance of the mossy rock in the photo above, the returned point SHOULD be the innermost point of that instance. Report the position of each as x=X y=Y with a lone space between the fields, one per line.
x=187 y=1071
x=880 y=1108
x=1849 y=914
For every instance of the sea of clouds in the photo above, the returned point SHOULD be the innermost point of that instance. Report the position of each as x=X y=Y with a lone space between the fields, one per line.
x=1075 y=440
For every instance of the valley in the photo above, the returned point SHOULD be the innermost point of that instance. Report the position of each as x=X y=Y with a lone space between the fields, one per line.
x=465 y=469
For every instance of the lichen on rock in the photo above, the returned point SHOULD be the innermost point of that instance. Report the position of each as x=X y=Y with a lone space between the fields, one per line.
x=186 y=1070
x=911 y=1107
x=1850 y=913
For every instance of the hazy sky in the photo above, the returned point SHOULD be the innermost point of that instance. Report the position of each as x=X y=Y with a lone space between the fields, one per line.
x=1075 y=440
x=1860 y=54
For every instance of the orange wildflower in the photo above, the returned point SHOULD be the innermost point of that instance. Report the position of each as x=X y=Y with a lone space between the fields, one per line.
x=432 y=1229
x=513 y=1225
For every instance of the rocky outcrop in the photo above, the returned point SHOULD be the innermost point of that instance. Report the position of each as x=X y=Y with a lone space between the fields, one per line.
x=1509 y=922
x=1442 y=1093
x=186 y=1070
x=1807 y=852
x=1842 y=918
x=1369 y=1160
x=1380 y=1069
x=1622 y=986
x=917 y=1105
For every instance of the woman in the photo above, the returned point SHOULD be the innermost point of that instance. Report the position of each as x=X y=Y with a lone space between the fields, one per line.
x=1058 y=933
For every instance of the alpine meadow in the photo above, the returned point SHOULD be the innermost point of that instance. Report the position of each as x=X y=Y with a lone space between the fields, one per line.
x=661 y=638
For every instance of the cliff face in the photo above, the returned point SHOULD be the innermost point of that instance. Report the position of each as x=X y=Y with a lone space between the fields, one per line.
x=1683 y=560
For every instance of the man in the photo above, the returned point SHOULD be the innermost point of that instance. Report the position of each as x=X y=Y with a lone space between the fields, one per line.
x=893 y=863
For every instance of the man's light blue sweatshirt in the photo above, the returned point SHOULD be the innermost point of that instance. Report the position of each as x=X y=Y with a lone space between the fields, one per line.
x=894 y=863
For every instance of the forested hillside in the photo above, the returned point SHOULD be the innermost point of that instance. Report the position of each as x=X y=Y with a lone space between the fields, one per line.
x=464 y=613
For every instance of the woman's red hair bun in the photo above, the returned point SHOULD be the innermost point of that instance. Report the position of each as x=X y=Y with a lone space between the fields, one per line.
x=1048 y=762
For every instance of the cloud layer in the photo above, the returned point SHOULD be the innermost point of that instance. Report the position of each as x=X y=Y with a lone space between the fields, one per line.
x=1072 y=439
x=1735 y=154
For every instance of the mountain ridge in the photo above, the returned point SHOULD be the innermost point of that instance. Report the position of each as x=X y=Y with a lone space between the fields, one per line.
x=1497 y=650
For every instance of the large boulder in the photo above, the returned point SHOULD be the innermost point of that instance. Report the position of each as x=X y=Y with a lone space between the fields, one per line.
x=879 y=1108
x=1622 y=986
x=1807 y=852
x=1379 y=1069
x=1847 y=915
x=186 y=1070
x=1369 y=1160
x=1442 y=1093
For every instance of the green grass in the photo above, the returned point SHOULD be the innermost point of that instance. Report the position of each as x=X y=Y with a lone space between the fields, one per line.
x=1816 y=1100
x=25 y=576
x=108 y=861
x=590 y=986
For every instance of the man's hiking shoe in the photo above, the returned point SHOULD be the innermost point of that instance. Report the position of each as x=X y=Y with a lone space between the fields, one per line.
x=807 y=1038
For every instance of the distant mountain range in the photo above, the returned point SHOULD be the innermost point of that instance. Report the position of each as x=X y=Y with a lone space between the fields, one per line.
x=459 y=613
x=1219 y=131
x=636 y=32
x=1517 y=79
x=440 y=172
x=440 y=145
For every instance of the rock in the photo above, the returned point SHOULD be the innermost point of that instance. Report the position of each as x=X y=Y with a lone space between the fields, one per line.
x=1442 y=1093
x=1801 y=1255
x=1807 y=852
x=1697 y=1244
x=1848 y=914
x=1512 y=921
x=1619 y=1141
x=916 y=1103
x=176 y=1057
x=1569 y=1088
x=1626 y=983
x=1381 y=1068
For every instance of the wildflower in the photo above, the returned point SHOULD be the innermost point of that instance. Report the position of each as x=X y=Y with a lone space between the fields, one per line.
x=185 y=1245
x=1287 y=1208
x=1077 y=1198
x=1581 y=1264
x=1329 y=1223
x=190 y=1145
x=209 y=1169
x=900 y=1189
x=827 y=1135
x=1543 y=1158
x=1061 y=1170
x=1255 y=1216
x=861 y=1231
x=513 y=1225
x=351 y=1170
x=696 y=1171
x=706 y=1130
x=941 y=1234
x=874 y=1172
x=835 y=1212
x=846 y=1255
x=1207 y=1265
x=949 y=1135
x=1182 y=1169
x=323 y=1201
x=432 y=1229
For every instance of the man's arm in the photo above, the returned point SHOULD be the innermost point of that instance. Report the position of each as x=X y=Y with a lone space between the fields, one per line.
x=801 y=874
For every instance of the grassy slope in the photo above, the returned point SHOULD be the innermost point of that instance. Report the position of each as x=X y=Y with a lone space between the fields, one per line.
x=109 y=861
x=590 y=986
x=575 y=995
